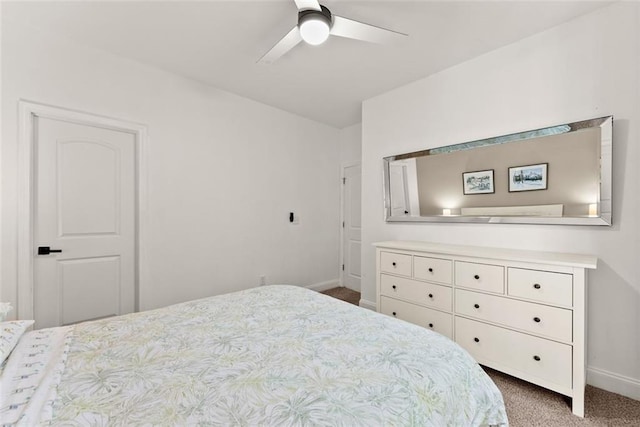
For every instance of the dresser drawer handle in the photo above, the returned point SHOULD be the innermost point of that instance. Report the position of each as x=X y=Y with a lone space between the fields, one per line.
x=476 y=277
x=536 y=286
x=430 y=270
x=476 y=339
x=430 y=295
x=393 y=286
x=536 y=319
x=476 y=305
x=393 y=263
x=394 y=313
x=431 y=325
x=536 y=358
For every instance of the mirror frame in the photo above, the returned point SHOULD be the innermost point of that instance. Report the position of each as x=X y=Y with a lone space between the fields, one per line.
x=603 y=217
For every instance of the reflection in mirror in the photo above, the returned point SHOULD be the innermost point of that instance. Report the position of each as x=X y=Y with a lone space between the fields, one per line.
x=555 y=175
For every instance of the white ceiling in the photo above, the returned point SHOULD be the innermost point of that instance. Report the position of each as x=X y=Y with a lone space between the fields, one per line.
x=219 y=42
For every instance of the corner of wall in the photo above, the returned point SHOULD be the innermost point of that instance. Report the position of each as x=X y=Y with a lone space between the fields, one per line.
x=613 y=382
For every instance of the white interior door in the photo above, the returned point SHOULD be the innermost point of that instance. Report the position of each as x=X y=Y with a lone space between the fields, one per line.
x=85 y=194
x=352 y=227
x=398 y=189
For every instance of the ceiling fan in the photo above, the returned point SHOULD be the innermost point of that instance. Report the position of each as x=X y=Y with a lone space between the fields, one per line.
x=316 y=23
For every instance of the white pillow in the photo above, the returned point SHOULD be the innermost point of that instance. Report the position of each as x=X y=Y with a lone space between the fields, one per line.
x=10 y=333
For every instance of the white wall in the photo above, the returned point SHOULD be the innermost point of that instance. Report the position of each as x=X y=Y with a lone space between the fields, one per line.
x=223 y=171
x=351 y=144
x=588 y=67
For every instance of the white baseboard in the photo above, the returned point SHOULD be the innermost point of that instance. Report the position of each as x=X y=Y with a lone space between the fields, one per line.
x=370 y=305
x=613 y=382
x=323 y=286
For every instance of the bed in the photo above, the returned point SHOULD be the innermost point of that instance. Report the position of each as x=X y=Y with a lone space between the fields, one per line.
x=272 y=355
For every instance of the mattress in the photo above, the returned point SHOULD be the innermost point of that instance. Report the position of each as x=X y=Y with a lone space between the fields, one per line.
x=274 y=355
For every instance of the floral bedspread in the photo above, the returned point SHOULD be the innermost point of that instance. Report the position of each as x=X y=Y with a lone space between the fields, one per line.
x=274 y=355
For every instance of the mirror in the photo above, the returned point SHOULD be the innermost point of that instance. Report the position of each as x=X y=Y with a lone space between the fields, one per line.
x=555 y=175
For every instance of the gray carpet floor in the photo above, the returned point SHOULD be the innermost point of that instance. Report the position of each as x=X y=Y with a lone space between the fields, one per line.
x=531 y=406
x=344 y=294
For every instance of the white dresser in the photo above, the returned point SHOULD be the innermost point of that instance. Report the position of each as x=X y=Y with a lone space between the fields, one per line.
x=519 y=312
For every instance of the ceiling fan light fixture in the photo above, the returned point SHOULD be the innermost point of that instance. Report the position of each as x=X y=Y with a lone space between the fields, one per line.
x=314 y=31
x=314 y=25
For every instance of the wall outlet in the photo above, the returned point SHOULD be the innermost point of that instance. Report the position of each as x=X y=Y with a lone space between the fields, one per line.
x=263 y=280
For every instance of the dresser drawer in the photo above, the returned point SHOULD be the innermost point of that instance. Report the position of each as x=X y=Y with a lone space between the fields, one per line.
x=428 y=294
x=543 y=286
x=426 y=317
x=391 y=262
x=432 y=269
x=484 y=277
x=508 y=350
x=550 y=322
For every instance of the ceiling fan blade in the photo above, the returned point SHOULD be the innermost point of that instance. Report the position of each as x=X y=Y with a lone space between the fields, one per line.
x=307 y=4
x=285 y=44
x=344 y=27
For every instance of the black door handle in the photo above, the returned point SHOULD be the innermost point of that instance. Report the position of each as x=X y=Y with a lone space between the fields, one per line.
x=46 y=250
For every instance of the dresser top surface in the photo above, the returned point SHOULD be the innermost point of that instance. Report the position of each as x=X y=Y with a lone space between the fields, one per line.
x=541 y=257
